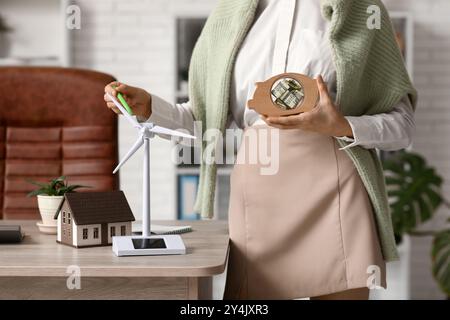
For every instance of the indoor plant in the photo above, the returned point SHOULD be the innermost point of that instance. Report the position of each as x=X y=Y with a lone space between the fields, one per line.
x=5 y=44
x=49 y=197
x=414 y=190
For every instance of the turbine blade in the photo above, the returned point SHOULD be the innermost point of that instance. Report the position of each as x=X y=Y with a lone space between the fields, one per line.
x=161 y=130
x=132 y=120
x=139 y=142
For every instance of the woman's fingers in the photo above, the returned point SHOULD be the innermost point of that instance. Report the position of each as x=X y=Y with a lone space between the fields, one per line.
x=111 y=88
x=106 y=98
x=126 y=89
x=110 y=104
x=282 y=127
x=323 y=89
x=296 y=120
x=321 y=84
x=113 y=108
x=284 y=122
x=138 y=99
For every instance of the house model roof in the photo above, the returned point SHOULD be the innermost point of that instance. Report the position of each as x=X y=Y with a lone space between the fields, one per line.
x=98 y=207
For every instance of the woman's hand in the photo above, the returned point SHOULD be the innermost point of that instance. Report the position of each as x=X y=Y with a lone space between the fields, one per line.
x=324 y=118
x=139 y=100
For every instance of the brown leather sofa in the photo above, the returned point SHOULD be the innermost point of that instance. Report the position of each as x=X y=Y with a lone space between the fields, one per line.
x=53 y=122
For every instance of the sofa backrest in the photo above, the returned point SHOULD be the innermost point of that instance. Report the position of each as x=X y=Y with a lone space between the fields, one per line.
x=53 y=121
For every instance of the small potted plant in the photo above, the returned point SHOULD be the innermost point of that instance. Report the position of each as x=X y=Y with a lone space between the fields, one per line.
x=4 y=40
x=49 y=197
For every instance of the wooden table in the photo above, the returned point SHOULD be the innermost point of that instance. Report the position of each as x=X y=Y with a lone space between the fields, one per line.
x=37 y=268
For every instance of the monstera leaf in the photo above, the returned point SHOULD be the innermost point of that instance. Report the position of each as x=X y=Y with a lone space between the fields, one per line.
x=413 y=189
x=441 y=260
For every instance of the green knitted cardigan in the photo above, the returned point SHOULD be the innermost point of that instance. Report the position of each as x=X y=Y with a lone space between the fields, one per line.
x=371 y=79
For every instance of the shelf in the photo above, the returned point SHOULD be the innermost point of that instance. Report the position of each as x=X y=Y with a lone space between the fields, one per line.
x=182 y=94
x=39 y=32
x=188 y=30
x=404 y=26
x=53 y=62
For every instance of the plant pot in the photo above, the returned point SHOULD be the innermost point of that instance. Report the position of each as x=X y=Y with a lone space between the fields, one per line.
x=47 y=208
x=5 y=45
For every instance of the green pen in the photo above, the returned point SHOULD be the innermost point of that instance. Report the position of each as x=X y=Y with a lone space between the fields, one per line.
x=124 y=103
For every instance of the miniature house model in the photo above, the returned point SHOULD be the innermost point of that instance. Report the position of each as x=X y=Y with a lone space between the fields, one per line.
x=92 y=218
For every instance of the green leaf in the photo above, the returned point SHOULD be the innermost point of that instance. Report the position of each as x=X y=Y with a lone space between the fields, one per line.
x=440 y=255
x=39 y=184
x=434 y=197
x=413 y=189
x=35 y=193
x=57 y=183
x=55 y=187
x=393 y=181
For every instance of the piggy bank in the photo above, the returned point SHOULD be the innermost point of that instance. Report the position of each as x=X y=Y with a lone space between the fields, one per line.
x=285 y=94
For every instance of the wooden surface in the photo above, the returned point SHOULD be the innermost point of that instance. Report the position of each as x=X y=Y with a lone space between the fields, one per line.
x=40 y=256
x=96 y=288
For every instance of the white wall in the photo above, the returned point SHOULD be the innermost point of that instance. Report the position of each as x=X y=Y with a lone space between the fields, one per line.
x=432 y=79
x=134 y=41
x=27 y=23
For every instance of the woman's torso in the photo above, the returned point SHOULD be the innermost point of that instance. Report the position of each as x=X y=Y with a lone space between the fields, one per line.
x=309 y=53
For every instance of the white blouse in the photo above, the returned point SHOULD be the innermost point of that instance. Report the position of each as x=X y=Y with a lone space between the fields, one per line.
x=309 y=53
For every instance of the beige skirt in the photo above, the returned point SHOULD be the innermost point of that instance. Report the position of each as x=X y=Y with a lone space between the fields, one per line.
x=302 y=228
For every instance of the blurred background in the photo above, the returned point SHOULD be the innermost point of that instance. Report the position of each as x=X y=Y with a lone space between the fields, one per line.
x=148 y=43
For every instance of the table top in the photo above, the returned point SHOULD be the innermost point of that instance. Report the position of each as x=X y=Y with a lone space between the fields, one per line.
x=40 y=256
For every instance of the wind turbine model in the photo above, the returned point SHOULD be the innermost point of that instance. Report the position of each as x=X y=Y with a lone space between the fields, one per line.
x=146 y=244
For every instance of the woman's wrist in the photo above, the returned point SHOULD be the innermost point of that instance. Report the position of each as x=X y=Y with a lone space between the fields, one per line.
x=147 y=112
x=149 y=106
x=344 y=129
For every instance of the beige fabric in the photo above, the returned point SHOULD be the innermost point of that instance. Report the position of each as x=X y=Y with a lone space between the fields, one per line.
x=307 y=230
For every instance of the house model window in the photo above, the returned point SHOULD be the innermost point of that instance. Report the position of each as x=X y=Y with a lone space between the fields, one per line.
x=85 y=218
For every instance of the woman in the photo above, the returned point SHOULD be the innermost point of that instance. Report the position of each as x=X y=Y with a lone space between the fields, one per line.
x=320 y=227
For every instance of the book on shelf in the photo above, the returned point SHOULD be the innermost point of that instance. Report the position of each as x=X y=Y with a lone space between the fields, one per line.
x=187 y=192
